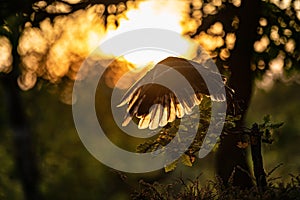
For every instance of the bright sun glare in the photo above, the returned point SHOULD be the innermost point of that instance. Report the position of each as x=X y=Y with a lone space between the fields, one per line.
x=166 y=14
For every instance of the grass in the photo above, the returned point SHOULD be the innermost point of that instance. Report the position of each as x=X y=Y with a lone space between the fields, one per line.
x=193 y=190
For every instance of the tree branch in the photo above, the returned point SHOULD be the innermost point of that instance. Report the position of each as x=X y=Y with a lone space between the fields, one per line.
x=257 y=160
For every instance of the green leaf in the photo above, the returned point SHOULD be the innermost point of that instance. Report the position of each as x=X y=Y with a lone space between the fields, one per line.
x=185 y=159
x=171 y=166
x=277 y=125
x=267 y=119
x=182 y=127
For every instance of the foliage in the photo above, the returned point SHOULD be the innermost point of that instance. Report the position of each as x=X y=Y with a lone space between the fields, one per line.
x=188 y=124
x=277 y=34
x=282 y=27
x=266 y=130
x=193 y=189
x=59 y=163
x=285 y=141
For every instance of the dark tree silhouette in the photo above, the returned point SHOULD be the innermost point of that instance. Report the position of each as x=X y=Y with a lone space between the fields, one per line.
x=13 y=18
x=241 y=81
x=244 y=65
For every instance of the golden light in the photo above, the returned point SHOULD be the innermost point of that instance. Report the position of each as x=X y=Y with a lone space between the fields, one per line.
x=153 y=56
x=168 y=14
x=237 y=3
x=216 y=29
x=262 y=44
x=230 y=40
x=5 y=56
x=282 y=4
x=290 y=45
x=263 y=21
x=297 y=8
x=274 y=35
x=276 y=65
x=57 y=48
x=274 y=72
x=209 y=42
x=58 y=7
x=209 y=9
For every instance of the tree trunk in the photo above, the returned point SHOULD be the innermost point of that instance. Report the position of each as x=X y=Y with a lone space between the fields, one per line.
x=258 y=166
x=229 y=156
x=25 y=160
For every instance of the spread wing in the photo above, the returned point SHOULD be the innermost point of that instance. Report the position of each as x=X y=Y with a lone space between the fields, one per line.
x=155 y=105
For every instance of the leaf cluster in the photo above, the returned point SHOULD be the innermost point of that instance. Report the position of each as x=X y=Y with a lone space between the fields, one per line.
x=266 y=131
x=186 y=125
x=192 y=123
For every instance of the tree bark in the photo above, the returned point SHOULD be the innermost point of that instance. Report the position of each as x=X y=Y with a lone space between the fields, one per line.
x=257 y=160
x=25 y=159
x=229 y=156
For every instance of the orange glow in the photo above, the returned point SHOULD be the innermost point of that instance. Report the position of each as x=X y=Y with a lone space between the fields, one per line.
x=57 y=49
x=168 y=14
x=273 y=73
x=209 y=42
x=290 y=45
x=58 y=7
x=262 y=44
x=230 y=40
x=54 y=49
x=216 y=29
x=5 y=56
x=276 y=65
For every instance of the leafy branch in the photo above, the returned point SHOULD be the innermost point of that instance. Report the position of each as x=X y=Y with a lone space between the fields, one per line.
x=263 y=132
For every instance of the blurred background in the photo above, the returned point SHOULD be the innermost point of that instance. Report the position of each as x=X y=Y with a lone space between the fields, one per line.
x=43 y=44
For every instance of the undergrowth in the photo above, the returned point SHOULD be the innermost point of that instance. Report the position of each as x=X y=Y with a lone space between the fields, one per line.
x=182 y=189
